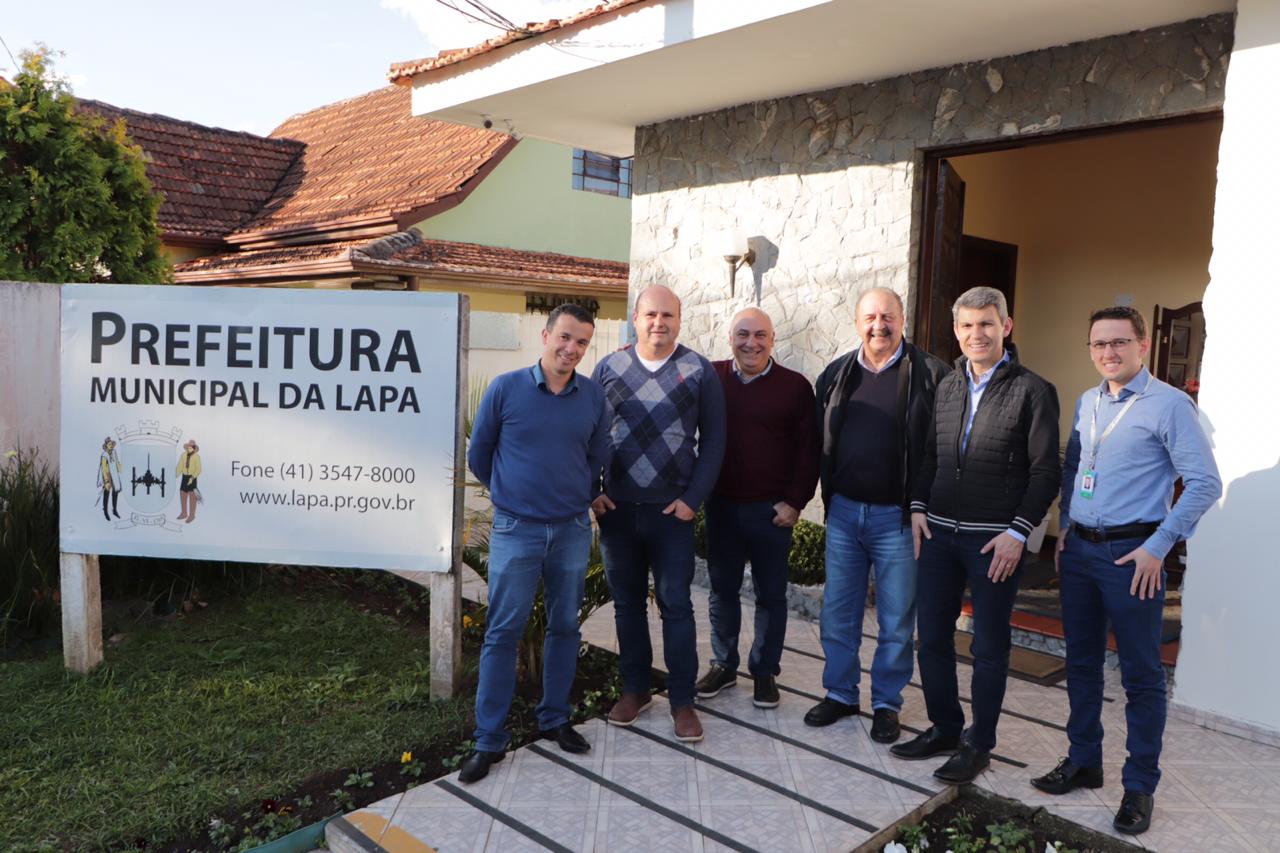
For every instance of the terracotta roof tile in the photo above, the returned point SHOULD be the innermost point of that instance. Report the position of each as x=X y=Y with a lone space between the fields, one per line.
x=261 y=258
x=401 y=72
x=369 y=157
x=213 y=180
x=410 y=251
x=474 y=258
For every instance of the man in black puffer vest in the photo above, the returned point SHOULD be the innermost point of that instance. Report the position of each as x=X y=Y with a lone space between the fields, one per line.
x=990 y=472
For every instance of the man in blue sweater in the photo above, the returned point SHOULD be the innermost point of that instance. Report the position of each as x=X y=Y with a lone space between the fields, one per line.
x=538 y=444
x=668 y=438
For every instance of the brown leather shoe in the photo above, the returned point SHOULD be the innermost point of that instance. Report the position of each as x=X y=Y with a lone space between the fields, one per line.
x=627 y=708
x=687 y=725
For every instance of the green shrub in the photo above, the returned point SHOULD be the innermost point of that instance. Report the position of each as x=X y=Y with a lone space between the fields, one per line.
x=28 y=546
x=700 y=534
x=808 y=559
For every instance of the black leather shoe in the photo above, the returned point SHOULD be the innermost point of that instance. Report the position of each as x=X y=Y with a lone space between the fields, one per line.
x=765 y=692
x=716 y=679
x=884 y=725
x=1066 y=777
x=964 y=766
x=567 y=738
x=1134 y=815
x=926 y=745
x=828 y=711
x=477 y=765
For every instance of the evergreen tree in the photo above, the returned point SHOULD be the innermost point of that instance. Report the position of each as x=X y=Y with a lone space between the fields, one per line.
x=75 y=202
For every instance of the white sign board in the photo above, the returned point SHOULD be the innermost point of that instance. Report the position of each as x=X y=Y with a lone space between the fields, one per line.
x=288 y=426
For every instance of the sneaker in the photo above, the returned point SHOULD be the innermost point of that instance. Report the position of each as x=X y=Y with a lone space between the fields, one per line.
x=688 y=727
x=766 y=692
x=627 y=708
x=717 y=679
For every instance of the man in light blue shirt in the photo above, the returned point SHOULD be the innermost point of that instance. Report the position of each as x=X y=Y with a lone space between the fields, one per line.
x=1133 y=436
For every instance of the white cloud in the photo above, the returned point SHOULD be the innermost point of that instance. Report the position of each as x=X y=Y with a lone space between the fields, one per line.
x=446 y=29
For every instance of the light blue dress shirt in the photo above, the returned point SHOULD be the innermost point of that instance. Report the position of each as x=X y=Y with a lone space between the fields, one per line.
x=902 y=347
x=977 y=387
x=1158 y=440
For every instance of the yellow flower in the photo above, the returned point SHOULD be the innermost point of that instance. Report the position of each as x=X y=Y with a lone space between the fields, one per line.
x=9 y=454
x=466 y=621
x=406 y=757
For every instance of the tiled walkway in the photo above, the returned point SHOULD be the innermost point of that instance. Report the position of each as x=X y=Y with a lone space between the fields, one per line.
x=762 y=780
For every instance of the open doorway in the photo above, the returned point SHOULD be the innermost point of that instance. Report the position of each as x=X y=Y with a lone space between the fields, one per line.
x=1119 y=216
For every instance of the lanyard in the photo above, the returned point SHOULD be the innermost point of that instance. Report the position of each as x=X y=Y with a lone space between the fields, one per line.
x=1095 y=441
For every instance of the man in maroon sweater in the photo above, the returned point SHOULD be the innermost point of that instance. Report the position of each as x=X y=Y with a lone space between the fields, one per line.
x=769 y=473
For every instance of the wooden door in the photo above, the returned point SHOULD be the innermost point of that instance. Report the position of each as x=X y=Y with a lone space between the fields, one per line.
x=1177 y=342
x=940 y=270
x=989 y=263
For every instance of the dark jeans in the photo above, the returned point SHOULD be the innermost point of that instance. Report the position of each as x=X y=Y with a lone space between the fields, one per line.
x=1095 y=590
x=947 y=562
x=737 y=532
x=637 y=538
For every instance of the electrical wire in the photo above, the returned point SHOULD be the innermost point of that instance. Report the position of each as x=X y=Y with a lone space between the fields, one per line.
x=16 y=66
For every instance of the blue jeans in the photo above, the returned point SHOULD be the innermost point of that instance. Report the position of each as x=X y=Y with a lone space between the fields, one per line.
x=947 y=562
x=520 y=554
x=737 y=532
x=637 y=538
x=860 y=536
x=1095 y=590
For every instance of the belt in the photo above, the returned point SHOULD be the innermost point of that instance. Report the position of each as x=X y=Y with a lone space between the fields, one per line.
x=1110 y=534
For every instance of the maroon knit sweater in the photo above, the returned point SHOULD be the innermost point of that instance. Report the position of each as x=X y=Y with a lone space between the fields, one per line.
x=772 y=448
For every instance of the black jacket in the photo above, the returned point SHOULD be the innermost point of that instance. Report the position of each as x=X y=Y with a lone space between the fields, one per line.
x=1011 y=472
x=917 y=383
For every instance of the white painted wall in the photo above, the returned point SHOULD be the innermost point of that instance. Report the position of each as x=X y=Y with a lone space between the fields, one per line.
x=1227 y=663
x=29 y=333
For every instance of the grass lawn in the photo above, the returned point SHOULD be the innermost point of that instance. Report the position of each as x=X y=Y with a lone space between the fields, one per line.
x=209 y=713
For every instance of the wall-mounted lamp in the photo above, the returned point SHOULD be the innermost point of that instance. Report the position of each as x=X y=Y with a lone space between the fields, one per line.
x=736 y=252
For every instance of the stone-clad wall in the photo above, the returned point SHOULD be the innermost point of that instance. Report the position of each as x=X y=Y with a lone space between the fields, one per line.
x=828 y=184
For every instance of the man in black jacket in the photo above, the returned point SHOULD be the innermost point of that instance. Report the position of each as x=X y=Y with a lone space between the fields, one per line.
x=875 y=405
x=990 y=472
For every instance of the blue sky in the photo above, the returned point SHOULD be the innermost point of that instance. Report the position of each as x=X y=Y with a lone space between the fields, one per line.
x=240 y=64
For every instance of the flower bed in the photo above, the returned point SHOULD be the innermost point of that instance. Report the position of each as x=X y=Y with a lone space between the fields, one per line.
x=969 y=819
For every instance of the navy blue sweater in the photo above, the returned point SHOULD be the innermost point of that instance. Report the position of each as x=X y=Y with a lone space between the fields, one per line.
x=540 y=454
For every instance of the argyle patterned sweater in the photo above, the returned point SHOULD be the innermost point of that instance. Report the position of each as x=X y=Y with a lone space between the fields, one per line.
x=667 y=427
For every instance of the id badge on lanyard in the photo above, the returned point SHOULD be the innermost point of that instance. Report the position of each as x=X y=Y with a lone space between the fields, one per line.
x=1087 y=479
x=1089 y=476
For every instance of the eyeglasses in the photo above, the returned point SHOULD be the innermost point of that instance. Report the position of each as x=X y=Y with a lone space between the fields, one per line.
x=1119 y=344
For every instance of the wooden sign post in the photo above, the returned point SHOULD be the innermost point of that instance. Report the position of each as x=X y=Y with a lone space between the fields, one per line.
x=446 y=587
x=81 y=612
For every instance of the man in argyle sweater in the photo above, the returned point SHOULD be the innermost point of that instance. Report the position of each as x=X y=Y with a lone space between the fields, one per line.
x=668 y=437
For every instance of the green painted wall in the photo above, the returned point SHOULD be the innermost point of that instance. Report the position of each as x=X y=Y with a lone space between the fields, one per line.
x=528 y=203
